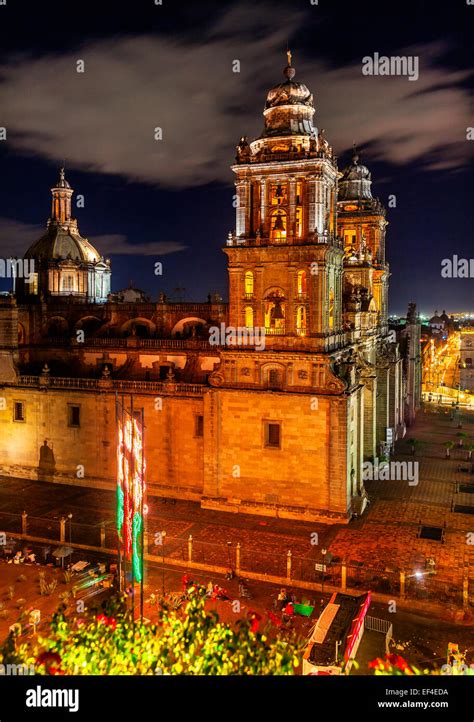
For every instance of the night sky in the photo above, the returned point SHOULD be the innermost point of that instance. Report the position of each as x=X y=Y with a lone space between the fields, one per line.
x=170 y=66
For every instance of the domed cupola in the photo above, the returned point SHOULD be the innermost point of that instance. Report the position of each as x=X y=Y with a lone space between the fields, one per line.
x=66 y=264
x=355 y=182
x=289 y=109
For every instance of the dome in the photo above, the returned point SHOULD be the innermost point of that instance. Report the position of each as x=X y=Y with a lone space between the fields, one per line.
x=355 y=181
x=61 y=243
x=289 y=108
x=289 y=93
x=62 y=239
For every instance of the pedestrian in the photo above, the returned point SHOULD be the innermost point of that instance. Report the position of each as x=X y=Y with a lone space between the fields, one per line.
x=185 y=580
x=210 y=589
x=282 y=598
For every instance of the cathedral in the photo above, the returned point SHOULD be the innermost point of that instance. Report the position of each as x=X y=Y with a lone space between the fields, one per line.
x=279 y=428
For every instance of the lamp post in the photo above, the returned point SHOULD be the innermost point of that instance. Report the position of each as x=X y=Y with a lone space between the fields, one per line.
x=163 y=535
x=69 y=516
x=323 y=552
x=229 y=544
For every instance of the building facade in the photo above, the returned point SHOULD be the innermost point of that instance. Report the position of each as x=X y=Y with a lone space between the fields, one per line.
x=277 y=427
x=466 y=366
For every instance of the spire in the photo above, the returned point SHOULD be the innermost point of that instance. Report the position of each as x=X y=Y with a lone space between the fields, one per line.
x=61 y=202
x=289 y=71
x=355 y=154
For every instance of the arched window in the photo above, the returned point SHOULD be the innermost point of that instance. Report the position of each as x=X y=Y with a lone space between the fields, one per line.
x=275 y=314
x=249 y=316
x=278 y=226
x=331 y=309
x=301 y=321
x=301 y=283
x=249 y=283
x=68 y=282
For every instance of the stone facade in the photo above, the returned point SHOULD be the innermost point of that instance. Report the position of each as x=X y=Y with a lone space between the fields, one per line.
x=277 y=425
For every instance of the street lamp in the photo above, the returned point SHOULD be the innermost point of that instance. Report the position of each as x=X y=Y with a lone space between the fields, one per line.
x=323 y=552
x=69 y=516
x=163 y=535
x=229 y=544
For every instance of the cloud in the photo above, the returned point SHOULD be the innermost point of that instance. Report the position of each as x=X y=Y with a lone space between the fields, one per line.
x=117 y=244
x=16 y=237
x=104 y=119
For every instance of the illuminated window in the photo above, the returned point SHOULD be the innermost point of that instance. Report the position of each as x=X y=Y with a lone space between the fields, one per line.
x=349 y=239
x=68 y=282
x=278 y=226
x=299 y=221
x=299 y=209
x=301 y=283
x=331 y=309
x=272 y=434
x=275 y=314
x=299 y=193
x=278 y=194
x=301 y=321
x=18 y=411
x=74 y=415
x=249 y=283
x=199 y=426
x=249 y=316
x=33 y=284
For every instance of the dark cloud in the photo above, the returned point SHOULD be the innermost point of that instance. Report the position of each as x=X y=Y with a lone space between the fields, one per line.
x=103 y=120
x=16 y=237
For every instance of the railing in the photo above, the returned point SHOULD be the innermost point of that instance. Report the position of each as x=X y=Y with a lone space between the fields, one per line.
x=316 y=239
x=113 y=384
x=155 y=343
x=274 y=331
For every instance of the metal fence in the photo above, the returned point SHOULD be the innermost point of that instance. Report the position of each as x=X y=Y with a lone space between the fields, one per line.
x=444 y=586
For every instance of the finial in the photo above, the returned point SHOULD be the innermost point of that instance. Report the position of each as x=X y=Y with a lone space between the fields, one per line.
x=355 y=154
x=289 y=71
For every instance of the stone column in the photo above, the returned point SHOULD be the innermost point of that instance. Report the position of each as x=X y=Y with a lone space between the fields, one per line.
x=263 y=206
x=241 y=187
x=237 y=559
x=311 y=204
x=288 y=566
x=190 y=548
x=24 y=523
x=62 y=529
x=292 y=210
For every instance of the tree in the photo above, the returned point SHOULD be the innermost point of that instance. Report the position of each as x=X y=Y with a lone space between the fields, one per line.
x=415 y=444
x=448 y=445
x=188 y=641
x=461 y=436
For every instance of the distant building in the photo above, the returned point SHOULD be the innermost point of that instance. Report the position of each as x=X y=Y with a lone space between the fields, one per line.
x=466 y=361
x=410 y=350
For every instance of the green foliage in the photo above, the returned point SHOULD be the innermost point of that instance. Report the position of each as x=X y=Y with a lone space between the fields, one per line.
x=190 y=641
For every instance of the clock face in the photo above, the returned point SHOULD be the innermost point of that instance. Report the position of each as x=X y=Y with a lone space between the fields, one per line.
x=350 y=208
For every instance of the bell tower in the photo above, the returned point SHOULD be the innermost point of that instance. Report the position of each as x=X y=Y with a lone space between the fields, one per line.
x=285 y=260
